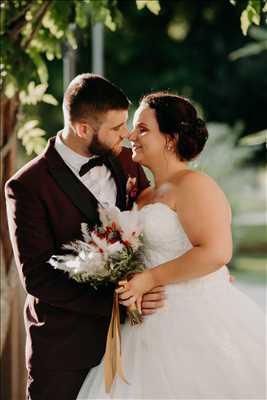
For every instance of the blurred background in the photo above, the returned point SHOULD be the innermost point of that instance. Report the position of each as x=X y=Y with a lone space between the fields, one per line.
x=213 y=52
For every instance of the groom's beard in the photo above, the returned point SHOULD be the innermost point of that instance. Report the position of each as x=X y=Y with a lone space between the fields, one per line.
x=98 y=148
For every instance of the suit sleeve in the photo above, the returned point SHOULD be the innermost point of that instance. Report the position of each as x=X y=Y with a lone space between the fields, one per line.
x=33 y=245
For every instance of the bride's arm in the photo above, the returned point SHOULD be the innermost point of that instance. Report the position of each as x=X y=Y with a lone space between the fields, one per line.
x=205 y=216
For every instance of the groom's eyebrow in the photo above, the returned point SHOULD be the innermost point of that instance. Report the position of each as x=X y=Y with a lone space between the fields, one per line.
x=118 y=126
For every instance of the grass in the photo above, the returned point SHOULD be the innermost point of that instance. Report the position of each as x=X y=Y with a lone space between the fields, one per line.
x=250 y=268
x=252 y=234
x=250 y=239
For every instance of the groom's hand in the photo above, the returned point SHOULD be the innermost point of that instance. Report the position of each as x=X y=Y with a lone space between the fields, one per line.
x=153 y=300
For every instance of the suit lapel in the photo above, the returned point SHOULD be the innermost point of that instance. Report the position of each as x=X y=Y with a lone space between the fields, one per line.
x=79 y=195
x=118 y=174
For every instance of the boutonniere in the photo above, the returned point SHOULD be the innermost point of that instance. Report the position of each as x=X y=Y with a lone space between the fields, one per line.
x=131 y=190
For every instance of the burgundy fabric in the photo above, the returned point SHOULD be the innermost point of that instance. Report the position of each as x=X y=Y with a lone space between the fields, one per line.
x=66 y=322
x=54 y=384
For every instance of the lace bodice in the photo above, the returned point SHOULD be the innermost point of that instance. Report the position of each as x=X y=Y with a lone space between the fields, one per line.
x=165 y=239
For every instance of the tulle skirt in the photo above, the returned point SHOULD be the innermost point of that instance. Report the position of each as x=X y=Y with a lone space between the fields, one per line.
x=208 y=342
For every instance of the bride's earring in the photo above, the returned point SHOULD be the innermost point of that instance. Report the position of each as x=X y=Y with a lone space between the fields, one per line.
x=169 y=147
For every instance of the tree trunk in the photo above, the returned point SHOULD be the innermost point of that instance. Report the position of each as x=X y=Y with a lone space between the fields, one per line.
x=12 y=297
x=9 y=110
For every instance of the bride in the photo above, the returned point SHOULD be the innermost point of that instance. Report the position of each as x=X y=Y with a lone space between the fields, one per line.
x=208 y=341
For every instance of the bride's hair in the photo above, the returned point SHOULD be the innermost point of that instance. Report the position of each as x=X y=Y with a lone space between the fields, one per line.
x=177 y=118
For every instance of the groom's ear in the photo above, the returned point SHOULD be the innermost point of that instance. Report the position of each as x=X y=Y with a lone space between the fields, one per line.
x=83 y=129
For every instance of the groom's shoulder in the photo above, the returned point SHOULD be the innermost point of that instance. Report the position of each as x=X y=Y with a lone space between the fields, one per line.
x=30 y=173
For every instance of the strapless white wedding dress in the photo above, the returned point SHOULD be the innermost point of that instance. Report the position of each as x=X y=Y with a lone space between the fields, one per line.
x=207 y=342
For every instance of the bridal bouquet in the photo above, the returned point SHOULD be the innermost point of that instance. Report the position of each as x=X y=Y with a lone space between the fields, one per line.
x=107 y=254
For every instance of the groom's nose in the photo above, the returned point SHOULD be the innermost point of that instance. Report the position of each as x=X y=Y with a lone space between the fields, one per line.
x=124 y=133
x=132 y=135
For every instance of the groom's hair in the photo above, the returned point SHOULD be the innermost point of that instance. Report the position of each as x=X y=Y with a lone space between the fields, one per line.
x=90 y=96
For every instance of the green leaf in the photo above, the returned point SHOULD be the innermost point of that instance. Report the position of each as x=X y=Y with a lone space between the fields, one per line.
x=10 y=90
x=109 y=23
x=81 y=16
x=39 y=145
x=71 y=39
x=32 y=137
x=140 y=4
x=36 y=92
x=152 y=5
x=49 y=23
x=255 y=138
x=27 y=127
x=40 y=65
x=256 y=4
x=251 y=15
x=49 y=99
x=248 y=50
x=50 y=55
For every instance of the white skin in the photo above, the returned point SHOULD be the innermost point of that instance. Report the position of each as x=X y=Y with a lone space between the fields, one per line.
x=110 y=129
x=200 y=204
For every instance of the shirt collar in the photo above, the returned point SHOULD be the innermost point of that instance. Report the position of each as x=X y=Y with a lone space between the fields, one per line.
x=72 y=158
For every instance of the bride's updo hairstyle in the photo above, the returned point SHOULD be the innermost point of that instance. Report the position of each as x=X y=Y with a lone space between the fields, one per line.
x=177 y=118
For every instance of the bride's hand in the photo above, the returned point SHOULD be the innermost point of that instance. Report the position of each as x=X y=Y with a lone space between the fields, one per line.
x=133 y=290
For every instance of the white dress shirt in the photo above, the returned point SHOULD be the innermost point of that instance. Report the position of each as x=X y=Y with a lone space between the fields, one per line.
x=98 y=180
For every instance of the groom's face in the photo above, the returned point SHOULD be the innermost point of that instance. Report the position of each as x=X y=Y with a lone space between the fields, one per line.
x=109 y=135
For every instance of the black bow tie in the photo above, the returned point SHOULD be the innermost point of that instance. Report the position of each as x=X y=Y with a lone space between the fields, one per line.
x=93 y=162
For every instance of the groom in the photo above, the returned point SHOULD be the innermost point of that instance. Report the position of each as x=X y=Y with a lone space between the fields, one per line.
x=47 y=200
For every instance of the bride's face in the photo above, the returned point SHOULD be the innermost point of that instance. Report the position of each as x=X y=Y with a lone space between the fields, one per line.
x=147 y=141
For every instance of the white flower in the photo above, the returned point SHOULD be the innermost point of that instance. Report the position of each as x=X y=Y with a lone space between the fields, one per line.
x=91 y=263
x=115 y=247
x=131 y=227
x=105 y=247
x=108 y=215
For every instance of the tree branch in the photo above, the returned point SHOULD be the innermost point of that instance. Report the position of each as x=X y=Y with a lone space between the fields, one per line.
x=7 y=147
x=39 y=18
x=21 y=16
x=16 y=24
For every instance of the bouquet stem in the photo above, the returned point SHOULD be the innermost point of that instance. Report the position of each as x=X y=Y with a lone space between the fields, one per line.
x=135 y=318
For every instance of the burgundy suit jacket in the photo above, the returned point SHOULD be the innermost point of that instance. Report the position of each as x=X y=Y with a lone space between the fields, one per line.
x=66 y=322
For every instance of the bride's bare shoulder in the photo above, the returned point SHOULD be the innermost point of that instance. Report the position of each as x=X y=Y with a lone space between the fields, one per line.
x=194 y=179
x=196 y=187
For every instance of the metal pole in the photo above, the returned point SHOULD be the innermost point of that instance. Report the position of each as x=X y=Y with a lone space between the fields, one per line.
x=98 y=48
x=69 y=62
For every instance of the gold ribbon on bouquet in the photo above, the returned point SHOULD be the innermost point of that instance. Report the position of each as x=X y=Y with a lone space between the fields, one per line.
x=112 y=357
